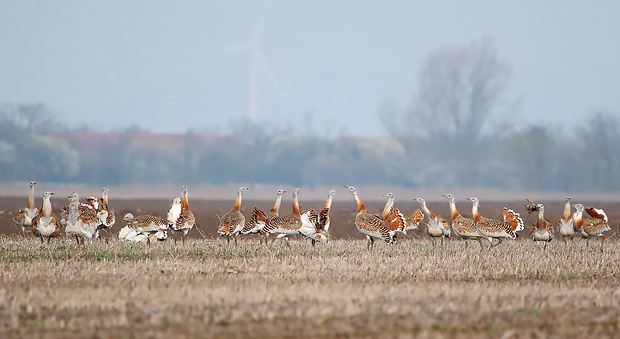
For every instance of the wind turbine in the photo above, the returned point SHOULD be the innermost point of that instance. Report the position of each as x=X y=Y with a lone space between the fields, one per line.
x=257 y=59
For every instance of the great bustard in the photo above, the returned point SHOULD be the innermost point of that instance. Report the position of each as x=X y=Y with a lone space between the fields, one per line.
x=372 y=226
x=316 y=226
x=463 y=227
x=490 y=228
x=106 y=216
x=253 y=225
x=81 y=221
x=566 y=224
x=25 y=215
x=542 y=230
x=144 y=228
x=436 y=227
x=46 y=224
x=594 y=226
x=233 y=221
x=393 y=219
x=186 y=220
x=283 y=226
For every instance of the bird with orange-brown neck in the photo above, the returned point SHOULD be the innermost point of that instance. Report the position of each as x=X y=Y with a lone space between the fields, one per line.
x=370 y=225
x=25 y=215
x=464 y=228
x=46 y=224
x=282 y=226
x=496 y=229
x=542 y=230
x=595 y=225
x=186 y=220
x=233 y=221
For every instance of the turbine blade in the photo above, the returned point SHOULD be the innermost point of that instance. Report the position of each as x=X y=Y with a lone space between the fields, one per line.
x=226 y=49
x=258 y=56
x=261 y=21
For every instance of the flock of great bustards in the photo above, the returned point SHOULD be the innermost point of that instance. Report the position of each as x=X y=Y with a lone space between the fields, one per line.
x=85 y=220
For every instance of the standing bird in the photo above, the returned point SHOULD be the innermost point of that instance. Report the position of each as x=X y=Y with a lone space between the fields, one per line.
x=283 y=226
x=593 y=226
x=490 y=228
x=104 y=213
x=542 y=230
x=566 y=225
x=80 y=221
x=369 y=224
x=25 y=215
x=465 y=228
x=436 y=227
x=316 y=226
x=186 y=220
x=46 y=224
x=232 y=222
x=254 y=225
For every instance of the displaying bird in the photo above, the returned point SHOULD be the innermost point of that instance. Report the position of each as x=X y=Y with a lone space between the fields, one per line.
x=463 y=227
x=436 y=227
x=372 y=226
x=186 y=220
x=25 y=215
x=593 y=226
x=175 y=211
x=253 y=225
x=542 y=230
x=316 y=226
x=393 y=220
x=147 y=225
x=104 y=213
x=566 y=225
x=233 y=221
x=283 y=226
x=413 y=222
x=496 y=229
x=81 y=222
x=46 y=224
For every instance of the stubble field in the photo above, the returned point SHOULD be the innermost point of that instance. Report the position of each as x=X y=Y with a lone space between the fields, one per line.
x=207 y=288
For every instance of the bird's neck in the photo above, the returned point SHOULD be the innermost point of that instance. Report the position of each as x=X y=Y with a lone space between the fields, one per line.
x=454 y=213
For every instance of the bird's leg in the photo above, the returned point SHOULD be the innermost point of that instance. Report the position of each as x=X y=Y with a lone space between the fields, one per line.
x=545 y=248
x=41 y=239
x=313 y=242
x=235 y=241
x=602 y=243
x=288 y=244
x=480 y=242
x=227 y=240
x=499 y=241
x=565 y=242
x=367 y=242
x=466 y=243
x=433 y=241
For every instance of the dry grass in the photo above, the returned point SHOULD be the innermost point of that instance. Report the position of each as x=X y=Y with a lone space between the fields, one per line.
x=206 y=288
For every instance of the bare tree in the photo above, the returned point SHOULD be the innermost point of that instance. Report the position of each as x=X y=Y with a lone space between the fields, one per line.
x=459 y=90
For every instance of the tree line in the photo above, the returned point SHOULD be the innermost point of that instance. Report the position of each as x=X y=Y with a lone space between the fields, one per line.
x=457 y=131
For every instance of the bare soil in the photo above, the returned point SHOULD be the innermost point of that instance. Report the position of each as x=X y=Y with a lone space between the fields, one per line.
x=208 y=288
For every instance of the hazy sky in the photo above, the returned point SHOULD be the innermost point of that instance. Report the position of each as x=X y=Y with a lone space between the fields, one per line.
x=109 y=64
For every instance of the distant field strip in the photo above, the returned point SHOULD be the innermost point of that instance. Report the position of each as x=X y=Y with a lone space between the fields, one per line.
x=209 y=288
